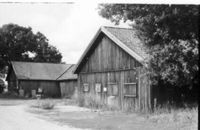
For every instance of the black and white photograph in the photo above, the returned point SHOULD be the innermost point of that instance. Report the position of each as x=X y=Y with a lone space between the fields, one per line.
x=99 y=65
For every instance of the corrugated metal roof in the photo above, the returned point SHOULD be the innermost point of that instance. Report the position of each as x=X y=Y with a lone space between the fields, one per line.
x=39 y=71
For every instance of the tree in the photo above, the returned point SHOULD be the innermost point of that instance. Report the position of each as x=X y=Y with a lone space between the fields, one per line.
x=19 y=43
x=171 y=33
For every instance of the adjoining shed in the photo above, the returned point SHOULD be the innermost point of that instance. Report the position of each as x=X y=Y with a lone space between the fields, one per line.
x=68 y=82
x=29 y=76
x=113 y=66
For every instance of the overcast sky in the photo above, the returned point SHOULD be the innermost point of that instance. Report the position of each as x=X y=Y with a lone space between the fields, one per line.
x=68 y=26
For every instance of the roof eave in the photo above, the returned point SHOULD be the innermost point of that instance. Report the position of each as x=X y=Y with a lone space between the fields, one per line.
x=14 y=70
x=123 y=46
x=117 y=41
x=86 y=50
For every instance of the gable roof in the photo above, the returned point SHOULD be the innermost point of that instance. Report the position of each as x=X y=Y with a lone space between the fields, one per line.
x=129 y=38
x=125 y=38
x=40 y=71
x=68 y=74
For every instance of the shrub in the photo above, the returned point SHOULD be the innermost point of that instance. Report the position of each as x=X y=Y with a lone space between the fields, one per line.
x=10 y=95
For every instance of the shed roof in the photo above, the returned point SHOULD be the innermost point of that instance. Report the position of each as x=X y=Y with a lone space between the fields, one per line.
x=68 y=74
x=125 y=38
x=41 y=71
x=128 y=37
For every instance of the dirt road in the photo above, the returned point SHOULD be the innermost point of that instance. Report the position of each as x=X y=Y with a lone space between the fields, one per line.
x=18 y=115
x=14 y=117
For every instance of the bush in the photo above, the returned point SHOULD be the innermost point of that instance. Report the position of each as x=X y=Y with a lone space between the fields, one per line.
x=46 y=104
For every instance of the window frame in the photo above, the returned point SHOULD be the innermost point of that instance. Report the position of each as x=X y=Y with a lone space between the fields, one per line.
x=88 y=87
x=112 y=84
x=100 y=89
x=130 y=95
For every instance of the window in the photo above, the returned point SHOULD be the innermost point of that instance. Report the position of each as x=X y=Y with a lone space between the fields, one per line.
x=86 y=87
x=130 y=89
x=98 y=87
x=112 y=89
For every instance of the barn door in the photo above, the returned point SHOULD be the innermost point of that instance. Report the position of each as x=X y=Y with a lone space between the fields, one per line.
x=129 y=87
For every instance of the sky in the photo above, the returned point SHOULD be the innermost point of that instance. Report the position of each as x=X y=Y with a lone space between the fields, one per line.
x=69 y=26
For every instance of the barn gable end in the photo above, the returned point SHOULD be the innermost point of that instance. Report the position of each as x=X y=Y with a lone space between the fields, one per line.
x=112 y=68
x=107 y=56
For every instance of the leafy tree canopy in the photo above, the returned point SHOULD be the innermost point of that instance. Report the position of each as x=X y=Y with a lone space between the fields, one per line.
x=19 y=43
x=172 y=34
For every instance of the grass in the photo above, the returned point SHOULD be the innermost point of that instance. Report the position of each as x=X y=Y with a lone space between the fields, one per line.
x=94 y=102
x=90 y=101
x=181 y=118
x=46 y=104
x=161 y=119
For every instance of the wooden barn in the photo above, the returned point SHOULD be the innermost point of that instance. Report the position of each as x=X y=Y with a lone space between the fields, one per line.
x=113 y=67
x=54 y=79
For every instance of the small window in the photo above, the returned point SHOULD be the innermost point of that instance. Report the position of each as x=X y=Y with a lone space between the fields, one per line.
x=112 y=89
x=98 y=87
x=130 y=89
x=86 y=87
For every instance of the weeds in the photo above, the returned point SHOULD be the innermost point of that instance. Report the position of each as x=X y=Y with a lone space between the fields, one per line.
x=90 y=101
x=46 y=104
x=94 y=102
x=181 y=117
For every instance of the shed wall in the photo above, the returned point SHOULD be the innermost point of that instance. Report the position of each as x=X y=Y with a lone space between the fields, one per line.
x=12 y=82
x=107 y=64
x=107 y=56
x=68 y=88
x=50 y=88
x=121 y=78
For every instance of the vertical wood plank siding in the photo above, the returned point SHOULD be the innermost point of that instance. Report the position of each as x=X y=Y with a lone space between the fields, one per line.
x=108 y=56
x=12 y=81
x=51 y=88
x=108 y=63
x=67 y=88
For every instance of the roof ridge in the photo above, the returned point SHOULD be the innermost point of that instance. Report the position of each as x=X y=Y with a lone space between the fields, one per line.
x=40 y=62
x=117 y=27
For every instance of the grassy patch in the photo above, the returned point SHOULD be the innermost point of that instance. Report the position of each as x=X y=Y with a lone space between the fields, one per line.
x=46 y=104
x=161 y=119
x=181 y=118
x=93 y=101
